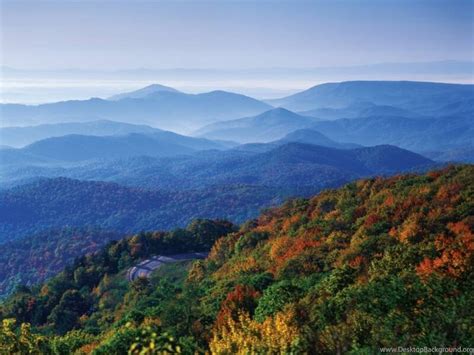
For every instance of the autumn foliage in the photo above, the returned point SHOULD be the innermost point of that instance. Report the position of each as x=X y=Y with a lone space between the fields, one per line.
x=276 y=335
x=373 y=262
x=242 y=299
x=382 y=262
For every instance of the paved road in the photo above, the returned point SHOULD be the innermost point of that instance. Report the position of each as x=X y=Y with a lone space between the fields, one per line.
x=146 y=267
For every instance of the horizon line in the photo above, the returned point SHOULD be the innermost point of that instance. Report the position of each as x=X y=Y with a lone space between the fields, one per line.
x=111 y=70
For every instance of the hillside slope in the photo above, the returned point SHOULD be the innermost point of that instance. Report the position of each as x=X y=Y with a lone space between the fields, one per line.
x=377 y=263
x=370 y=265
x=360 y=109
x=420 y=135
x=311 y=136
x=36 y=258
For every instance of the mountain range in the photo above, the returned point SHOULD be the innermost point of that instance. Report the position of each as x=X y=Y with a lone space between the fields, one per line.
x=284 y=153
x=164 y=109
x=268 y=126
x=396 y=117
x=21 y=136
x=341 y=270
x=306 y=136
x=421 y=134
x=358 y=109
x=167 y=192
x=165 y=159
x=419 y=97
x=75 y=147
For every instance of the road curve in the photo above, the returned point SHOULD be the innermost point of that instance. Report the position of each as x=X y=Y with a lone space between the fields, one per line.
x=146 y=267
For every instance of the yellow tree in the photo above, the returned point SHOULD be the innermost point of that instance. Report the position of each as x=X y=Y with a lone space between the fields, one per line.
x=276 y=335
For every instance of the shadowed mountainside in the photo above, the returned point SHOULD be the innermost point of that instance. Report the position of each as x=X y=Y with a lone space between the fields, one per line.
x=418 y=97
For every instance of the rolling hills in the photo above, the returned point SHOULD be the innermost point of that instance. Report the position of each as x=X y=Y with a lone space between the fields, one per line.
x=55 y=203
x=273 y=163
x=169 y=192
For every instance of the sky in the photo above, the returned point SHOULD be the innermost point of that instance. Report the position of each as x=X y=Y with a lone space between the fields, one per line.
x=225 y=34
x=236 y=42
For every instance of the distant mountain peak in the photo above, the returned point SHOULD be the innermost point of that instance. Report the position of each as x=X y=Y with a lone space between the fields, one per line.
x=159 y=87
x=144 y=92
x=312 y=136
x=268 y=126
x=279 y=110
x=219 y=92
x=303 y=133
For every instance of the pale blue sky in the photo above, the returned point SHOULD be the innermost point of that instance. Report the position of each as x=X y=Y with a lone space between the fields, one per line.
x=223 y=34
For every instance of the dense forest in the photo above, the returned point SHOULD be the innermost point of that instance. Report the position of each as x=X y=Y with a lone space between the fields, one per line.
x=300 y=160
x=168 y=193
x=376 y=263
x=34 y=259
x=54 y=203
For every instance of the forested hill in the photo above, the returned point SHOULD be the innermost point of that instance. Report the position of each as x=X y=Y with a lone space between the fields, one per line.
x=52 y=203
x=379 y=262
x=37 y=257
x=234 y=185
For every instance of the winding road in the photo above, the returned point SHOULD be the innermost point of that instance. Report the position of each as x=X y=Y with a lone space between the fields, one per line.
x=146 y=267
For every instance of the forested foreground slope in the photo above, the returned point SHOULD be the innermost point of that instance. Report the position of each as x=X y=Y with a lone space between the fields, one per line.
x=379 y=262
